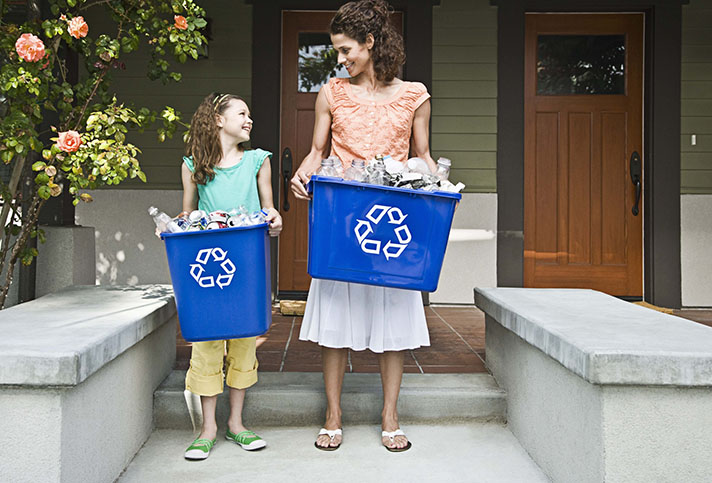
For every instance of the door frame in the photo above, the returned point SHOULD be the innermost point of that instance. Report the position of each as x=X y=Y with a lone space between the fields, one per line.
x=661 y=138
x=266 y=69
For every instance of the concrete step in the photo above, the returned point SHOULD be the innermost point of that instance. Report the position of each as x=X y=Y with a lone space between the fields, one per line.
x=297 y=399
x=465 y=452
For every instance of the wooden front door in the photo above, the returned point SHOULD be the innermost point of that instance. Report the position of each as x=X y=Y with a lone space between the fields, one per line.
x=308 y=61
x=583 y=125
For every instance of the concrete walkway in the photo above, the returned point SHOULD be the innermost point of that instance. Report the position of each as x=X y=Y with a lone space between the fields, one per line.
x=474 y=452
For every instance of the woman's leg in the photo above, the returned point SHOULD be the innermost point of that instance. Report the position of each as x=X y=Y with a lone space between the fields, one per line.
x=334 y=366
x=391 y=363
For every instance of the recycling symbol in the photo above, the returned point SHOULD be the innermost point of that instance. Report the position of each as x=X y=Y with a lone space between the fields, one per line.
x=218 y=256
x=375 y=215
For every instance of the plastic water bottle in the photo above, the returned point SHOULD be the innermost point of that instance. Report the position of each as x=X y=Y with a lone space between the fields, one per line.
x=258 y=217
x=327 y=168
x=238 y=217
x=417 y=165
x=164 y=222
x=378 y=174
x=443 y=171
x=357 y=171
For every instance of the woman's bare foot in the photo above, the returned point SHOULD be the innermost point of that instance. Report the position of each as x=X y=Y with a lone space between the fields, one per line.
x=330 y=440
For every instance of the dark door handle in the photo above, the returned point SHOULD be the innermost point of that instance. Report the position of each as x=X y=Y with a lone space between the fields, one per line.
x=636 y=171
x=287 y=175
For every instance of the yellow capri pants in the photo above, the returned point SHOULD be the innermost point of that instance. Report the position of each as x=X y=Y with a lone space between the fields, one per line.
x=205 y=376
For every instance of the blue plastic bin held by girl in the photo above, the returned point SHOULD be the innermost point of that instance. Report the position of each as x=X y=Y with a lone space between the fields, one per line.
x=221 y=282
x=378 y=235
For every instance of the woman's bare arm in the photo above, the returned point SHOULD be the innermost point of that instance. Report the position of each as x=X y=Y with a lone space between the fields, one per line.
x=421 y=131
x=320 y=144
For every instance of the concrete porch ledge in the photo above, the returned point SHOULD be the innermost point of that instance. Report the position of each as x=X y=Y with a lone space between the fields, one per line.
x=63 y=338
x=603 y=339
x=77 y=373
x=599 y=389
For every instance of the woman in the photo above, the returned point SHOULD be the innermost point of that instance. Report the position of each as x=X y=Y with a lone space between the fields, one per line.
x=372 y=112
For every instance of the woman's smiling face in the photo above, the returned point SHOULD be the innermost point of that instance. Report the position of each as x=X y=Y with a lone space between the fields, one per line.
x=353 y=55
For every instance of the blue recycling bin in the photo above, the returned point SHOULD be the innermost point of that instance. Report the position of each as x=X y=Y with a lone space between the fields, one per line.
x=221 y=282
x=378 y=235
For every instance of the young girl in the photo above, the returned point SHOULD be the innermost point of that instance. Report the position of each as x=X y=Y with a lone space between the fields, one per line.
x=372 y=112
x=219 y=174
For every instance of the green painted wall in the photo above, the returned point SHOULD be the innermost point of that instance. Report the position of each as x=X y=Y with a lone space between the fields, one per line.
x=464 y=117
x=696 y=161
x=228 y=68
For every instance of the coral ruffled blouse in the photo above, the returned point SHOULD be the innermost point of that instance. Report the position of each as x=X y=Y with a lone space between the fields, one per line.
x=362 y=129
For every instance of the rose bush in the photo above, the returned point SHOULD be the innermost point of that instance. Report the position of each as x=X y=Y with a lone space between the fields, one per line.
x=64 y=133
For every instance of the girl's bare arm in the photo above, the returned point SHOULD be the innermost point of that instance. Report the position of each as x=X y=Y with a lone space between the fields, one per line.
x=190 y=189
x=320 y=144
x=264 y=188
x=421 y=130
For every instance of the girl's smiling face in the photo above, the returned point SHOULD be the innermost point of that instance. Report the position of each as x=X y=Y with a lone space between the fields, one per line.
x=354 y=56
x=235 y=121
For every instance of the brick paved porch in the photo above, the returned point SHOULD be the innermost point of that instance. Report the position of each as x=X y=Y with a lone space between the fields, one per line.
x=457 y=338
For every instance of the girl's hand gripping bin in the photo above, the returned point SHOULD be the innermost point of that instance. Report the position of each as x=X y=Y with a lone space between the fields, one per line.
x=378 y=235
x=221 y=282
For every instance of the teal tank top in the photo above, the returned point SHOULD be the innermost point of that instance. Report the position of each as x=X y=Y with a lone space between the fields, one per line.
x=233 y=186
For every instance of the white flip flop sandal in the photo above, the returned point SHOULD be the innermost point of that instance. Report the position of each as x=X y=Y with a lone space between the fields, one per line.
x=332 y=433
x=391 y=435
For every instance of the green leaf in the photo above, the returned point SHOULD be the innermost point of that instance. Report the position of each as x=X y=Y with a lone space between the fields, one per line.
x=44 y=192
x=39 y=165
x=42 y=178
x=200 y=23
x=142 y=176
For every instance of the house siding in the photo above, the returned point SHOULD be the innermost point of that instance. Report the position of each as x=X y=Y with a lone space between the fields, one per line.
x=228 y=68
x=464 y=116
x=696 y=161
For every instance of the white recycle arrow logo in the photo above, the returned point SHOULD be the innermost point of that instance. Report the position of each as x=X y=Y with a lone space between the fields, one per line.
x=375 y=215
x=218 y=255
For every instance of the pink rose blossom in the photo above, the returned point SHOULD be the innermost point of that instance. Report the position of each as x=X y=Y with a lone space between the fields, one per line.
x=181 y=22
x=78 y=28
x=30 y=48
x=69 y=141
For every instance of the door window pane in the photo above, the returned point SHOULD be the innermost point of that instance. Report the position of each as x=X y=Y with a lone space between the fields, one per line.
x=580 y=64
x=317 y=61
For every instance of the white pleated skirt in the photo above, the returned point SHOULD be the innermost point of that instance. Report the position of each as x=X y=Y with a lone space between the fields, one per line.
x=351 y=315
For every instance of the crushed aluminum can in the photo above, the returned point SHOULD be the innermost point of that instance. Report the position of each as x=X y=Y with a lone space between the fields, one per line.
x=198 y=220
x=220 y=216
x=214 y=225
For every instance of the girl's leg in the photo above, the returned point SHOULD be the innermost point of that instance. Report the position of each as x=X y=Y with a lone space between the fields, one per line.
x=241 y=373
x=334 y=366
x=237 y=400
x=391 y=364
x=206 y=379
x=210 y=426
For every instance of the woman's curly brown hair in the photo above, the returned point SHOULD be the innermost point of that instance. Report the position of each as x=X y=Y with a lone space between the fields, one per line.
x=203 y=143
x=358 y=19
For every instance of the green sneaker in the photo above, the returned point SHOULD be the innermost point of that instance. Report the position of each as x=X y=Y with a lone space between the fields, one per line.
x=200 y=449
x=247 y=439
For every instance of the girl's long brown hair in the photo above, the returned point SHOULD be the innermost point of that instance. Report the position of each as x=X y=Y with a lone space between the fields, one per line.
x=203 y=143
x=358 y=19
